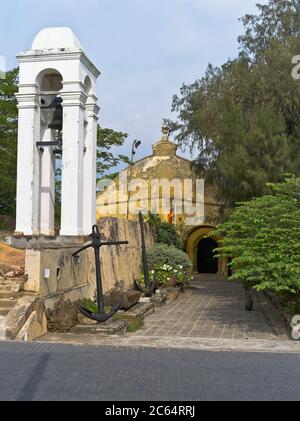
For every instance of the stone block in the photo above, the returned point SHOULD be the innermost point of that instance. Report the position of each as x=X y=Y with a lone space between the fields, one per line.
x=17 y=317
x=33 y=329
x=111 y=327
x=141 y=310
x=128 y=298
x=17 y=286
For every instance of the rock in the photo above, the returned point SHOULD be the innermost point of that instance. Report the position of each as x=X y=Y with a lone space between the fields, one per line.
x=85 y=320
x=33 y=329
x=63 y=317
x=18 y=315
x=128 y=299
x=145 y=300
x=116 y=297
x=17 y=286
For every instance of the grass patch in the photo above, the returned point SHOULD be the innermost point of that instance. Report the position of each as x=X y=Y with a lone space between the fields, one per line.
x=134 y=323
x=93 y=307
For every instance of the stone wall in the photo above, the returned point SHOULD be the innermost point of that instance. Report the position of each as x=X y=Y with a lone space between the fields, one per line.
x=56 y=282
x=52 y=271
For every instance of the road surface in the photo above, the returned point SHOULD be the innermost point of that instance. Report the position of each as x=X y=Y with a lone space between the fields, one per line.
x=42 y=371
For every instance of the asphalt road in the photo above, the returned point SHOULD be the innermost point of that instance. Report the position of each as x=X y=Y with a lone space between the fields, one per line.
x=62 y=372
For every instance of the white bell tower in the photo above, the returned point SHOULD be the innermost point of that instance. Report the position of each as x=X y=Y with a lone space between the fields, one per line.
x=56 y=67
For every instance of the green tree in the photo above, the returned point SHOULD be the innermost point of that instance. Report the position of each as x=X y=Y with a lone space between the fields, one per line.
x=242 y=119
x=106 y=140
x=263 y=238
x=8 y=142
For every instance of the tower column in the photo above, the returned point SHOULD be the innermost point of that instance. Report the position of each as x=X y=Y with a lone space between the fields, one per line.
x=90 y=165
x=72 y=161
x=28 y=167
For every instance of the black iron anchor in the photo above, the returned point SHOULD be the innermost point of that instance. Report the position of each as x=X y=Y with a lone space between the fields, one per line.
x=151 y=287
x=97 y=243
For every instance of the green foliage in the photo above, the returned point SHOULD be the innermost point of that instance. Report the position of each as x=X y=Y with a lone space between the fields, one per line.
x=164 y=273
x=263 y=237
x=93 y=307
x=242 y=119
x=90 y=305
x=165 y=233
x=8 y=142
x=166 y=262
x=106 y=140
x=163 y=254
x=134 y=325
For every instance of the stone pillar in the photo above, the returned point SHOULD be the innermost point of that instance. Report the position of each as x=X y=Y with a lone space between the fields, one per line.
x=28 y=167
x=90 y=170
x=47 y=192
x=72 y=160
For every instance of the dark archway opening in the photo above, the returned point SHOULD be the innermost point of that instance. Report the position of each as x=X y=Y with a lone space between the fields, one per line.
x=206 y=261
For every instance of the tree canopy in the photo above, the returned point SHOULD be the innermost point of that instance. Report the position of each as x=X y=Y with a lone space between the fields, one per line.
x=242 y=119
x=8 y=142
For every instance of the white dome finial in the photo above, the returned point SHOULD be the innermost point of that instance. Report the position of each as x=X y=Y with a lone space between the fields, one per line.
x=56 y=38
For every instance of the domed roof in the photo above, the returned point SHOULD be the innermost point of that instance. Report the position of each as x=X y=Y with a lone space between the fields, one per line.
x=55 y=38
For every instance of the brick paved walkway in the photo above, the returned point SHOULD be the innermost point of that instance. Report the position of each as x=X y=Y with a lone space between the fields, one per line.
x=213 y=308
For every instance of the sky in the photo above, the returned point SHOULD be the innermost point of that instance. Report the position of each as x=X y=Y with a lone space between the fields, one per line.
x=145 y=49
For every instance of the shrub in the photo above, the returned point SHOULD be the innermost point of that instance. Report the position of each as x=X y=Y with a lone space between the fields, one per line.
x=162 y=254
x=162 y=274
x=165 y=233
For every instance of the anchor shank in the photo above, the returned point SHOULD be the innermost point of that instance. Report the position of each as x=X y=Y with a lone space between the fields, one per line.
x=100 y=296
x=144 y=252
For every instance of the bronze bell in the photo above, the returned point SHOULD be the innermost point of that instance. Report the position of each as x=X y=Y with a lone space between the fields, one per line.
x=57 y=121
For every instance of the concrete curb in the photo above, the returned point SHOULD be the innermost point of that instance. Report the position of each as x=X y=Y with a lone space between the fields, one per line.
x=195 y=344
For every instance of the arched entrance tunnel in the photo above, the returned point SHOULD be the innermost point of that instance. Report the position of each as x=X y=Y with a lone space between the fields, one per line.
x=200 y=248
x=206 y=260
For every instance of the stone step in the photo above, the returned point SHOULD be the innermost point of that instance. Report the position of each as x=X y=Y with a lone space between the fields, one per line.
x=6 y=303
x=111 y=327
x=7 y=295
x=2 y=328
x=140 y=310
x=4 y=285
x=4 y=311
